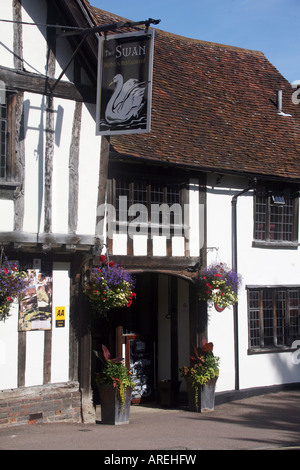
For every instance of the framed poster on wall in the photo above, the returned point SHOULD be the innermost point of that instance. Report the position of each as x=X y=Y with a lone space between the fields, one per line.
x=35 y=311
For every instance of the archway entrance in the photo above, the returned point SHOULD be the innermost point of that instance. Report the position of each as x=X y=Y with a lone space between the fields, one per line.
x=155 y=334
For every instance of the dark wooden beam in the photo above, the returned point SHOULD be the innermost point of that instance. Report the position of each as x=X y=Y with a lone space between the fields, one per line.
x=34 y=83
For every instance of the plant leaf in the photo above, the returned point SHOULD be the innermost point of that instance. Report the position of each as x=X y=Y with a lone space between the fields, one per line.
x=196 y=352
x=106 y=353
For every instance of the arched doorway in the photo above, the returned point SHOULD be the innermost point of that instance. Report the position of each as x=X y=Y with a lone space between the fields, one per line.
x=155 y=334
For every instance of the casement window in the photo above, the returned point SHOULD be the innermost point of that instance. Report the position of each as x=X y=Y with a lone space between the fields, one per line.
x=276 y=216
x=150 y=204
x=9 y=121
x=155 y=205
x=273 y=317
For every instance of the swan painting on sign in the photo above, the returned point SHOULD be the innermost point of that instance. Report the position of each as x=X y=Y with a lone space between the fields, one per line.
x=126 y=102
x=124 y=83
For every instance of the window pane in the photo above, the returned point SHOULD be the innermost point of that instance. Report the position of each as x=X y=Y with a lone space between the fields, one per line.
x=260 y=218
x=157 y=193
x=294 y=314
x=140 y=196
x=122 y=189
x=173 y=199
x=281 y=221
x=254 y=318
x=281 y=316
x=268 y=317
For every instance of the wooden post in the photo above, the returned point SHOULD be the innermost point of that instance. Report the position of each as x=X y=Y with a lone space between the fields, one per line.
x=173 y=309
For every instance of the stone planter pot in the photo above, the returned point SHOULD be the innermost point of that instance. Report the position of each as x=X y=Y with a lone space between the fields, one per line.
x=112 y=410
x=169 y=390
x=206 y=396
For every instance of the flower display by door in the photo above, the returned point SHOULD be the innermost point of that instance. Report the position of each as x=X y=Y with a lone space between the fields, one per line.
x=12 y=284
x=109 y=286
x=204 y=367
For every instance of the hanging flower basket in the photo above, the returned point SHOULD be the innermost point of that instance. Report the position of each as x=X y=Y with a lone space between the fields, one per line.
x=220 y=285
x=12 y=284
x=109 y=286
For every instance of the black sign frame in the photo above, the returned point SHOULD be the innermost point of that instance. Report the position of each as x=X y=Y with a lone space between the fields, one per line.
x=124 y=91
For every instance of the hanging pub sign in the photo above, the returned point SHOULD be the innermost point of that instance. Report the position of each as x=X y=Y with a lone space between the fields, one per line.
x=124 y=89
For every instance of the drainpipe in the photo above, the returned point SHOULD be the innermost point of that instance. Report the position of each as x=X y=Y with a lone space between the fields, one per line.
x=234 y=267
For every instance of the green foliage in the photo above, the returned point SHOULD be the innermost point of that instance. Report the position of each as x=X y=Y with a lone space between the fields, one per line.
x=204 y=367
x=114 y=372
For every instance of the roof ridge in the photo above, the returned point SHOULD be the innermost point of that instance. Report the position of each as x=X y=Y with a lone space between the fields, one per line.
x=185 y=38
x=209 y=43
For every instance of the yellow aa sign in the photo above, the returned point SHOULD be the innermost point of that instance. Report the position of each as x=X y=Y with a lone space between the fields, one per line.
x=60 y=317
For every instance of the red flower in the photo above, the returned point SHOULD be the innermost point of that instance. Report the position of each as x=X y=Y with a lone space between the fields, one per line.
x=207 y=347
x=9 y=299
x=102 y=258
x=130 y=299
x=111 y=264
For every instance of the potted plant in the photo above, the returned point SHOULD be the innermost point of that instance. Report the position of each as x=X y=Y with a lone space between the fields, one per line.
x=109 y=286
x=201 y=377
x=219 y=284
x=12 y=284
x=115 y=386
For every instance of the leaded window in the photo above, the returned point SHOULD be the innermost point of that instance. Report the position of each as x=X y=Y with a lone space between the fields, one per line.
x=157 y=206
x=276 y=215
x=273 y=317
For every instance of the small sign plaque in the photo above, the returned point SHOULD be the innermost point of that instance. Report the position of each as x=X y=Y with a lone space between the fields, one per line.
x=60 y=317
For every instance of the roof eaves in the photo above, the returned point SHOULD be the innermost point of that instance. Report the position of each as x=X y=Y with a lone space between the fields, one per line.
x=115 y=155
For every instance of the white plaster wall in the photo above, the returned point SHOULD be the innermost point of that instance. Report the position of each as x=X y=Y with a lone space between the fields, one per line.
x=261 y=266
x=140 y=245
x=9 y=349
x=6 y=35
x=159 y=245
x=89 y=161
x=60 y=189
x=88 y=172
x=220 y=332
x=178 y=246
x=34 y=44
x=60 y=335
x=6 y=215
x=35 y=106
x=34 y=365
x=257 y=266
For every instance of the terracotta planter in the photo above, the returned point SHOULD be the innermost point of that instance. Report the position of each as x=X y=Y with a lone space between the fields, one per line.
x=112 y=409
x=206 y=396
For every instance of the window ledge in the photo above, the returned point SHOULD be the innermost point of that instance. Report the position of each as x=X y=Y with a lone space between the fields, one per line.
x=9 y=184
x=270 y=350
x=275 y=244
